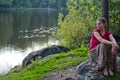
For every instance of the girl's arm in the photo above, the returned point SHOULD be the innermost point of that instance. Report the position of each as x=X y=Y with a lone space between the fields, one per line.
x=100 y=39
x=115 y=45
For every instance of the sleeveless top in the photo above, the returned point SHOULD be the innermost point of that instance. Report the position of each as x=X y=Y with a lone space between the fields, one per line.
x=94 y=42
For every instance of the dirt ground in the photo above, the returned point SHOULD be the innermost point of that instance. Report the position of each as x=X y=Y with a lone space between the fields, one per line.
x=66 y=74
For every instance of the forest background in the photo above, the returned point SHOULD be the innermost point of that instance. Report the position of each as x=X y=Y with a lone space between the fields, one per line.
x=76 y=26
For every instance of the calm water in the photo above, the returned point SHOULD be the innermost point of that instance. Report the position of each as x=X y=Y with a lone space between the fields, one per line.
x=23 y=31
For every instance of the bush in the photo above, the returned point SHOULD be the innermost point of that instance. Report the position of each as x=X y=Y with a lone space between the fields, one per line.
x=76 y=26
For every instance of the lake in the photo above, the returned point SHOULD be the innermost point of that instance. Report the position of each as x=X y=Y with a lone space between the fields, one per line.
x=23 y=31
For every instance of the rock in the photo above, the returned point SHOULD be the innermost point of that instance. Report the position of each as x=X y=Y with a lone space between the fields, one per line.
x=118 y=64
x=84 y=74
x=82 y=69
x=65 y=74
x=69 y=79
x=54 y=49
x=90 y=76
x=117 y=38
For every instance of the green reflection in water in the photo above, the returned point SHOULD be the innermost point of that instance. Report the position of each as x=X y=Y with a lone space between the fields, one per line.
x=21 y=27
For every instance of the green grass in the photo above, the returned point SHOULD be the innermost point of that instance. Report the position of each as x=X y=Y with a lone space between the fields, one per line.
x=116 y=77
x=56 y=62
x=39 y=69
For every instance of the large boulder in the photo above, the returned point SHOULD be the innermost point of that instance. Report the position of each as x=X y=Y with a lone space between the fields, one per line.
x=84 y=74
x=54 y=49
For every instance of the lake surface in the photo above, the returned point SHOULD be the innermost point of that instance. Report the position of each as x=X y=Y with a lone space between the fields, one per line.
x=23 y=31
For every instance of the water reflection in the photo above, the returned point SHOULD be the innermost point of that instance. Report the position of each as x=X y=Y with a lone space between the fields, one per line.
x=11 y=57
x=23 y=31
x=18 y=26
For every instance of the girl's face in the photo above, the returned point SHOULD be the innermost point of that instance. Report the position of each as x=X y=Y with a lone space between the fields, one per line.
x=100 y=25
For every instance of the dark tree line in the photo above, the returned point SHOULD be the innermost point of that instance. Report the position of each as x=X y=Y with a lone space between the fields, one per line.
x=57 y=4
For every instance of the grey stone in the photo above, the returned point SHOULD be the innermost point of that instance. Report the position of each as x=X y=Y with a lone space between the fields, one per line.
x=83 y=71
x=54 y=49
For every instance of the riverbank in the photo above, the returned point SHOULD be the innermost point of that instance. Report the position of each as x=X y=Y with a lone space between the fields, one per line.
x=58 y=62
x=59 y=66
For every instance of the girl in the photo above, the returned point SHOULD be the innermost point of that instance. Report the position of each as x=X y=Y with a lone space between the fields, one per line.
x=103 y=49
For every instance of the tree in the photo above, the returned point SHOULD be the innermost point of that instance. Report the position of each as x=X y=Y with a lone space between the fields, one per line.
x=105 y=11
x=5 y=3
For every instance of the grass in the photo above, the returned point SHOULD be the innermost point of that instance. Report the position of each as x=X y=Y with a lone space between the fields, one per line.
x=39 y=69
x=56 y=62
x=116 y=77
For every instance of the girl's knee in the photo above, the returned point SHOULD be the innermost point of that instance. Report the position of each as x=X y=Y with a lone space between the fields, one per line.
x=105 y=46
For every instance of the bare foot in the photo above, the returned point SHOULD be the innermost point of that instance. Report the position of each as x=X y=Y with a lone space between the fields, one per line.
x=105 y=72
x=110 y=72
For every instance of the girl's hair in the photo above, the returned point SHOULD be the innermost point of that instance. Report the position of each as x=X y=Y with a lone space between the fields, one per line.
x=103 y=20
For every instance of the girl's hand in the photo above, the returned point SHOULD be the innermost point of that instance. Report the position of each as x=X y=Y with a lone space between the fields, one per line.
x=115 y=46
x=114 y=50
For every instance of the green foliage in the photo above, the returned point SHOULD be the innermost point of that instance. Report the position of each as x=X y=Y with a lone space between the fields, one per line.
x=116 y=77
x=5 y=3
x=114 y=16
x=56 y=4
x=56 y=62
x=81 y=51
x=78 y=23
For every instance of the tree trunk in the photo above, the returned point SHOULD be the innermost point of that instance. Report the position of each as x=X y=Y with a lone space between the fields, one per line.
x=105 y=13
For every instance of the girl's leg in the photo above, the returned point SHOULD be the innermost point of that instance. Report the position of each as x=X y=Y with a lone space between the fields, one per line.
x=112 y=61
x=98 y=58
